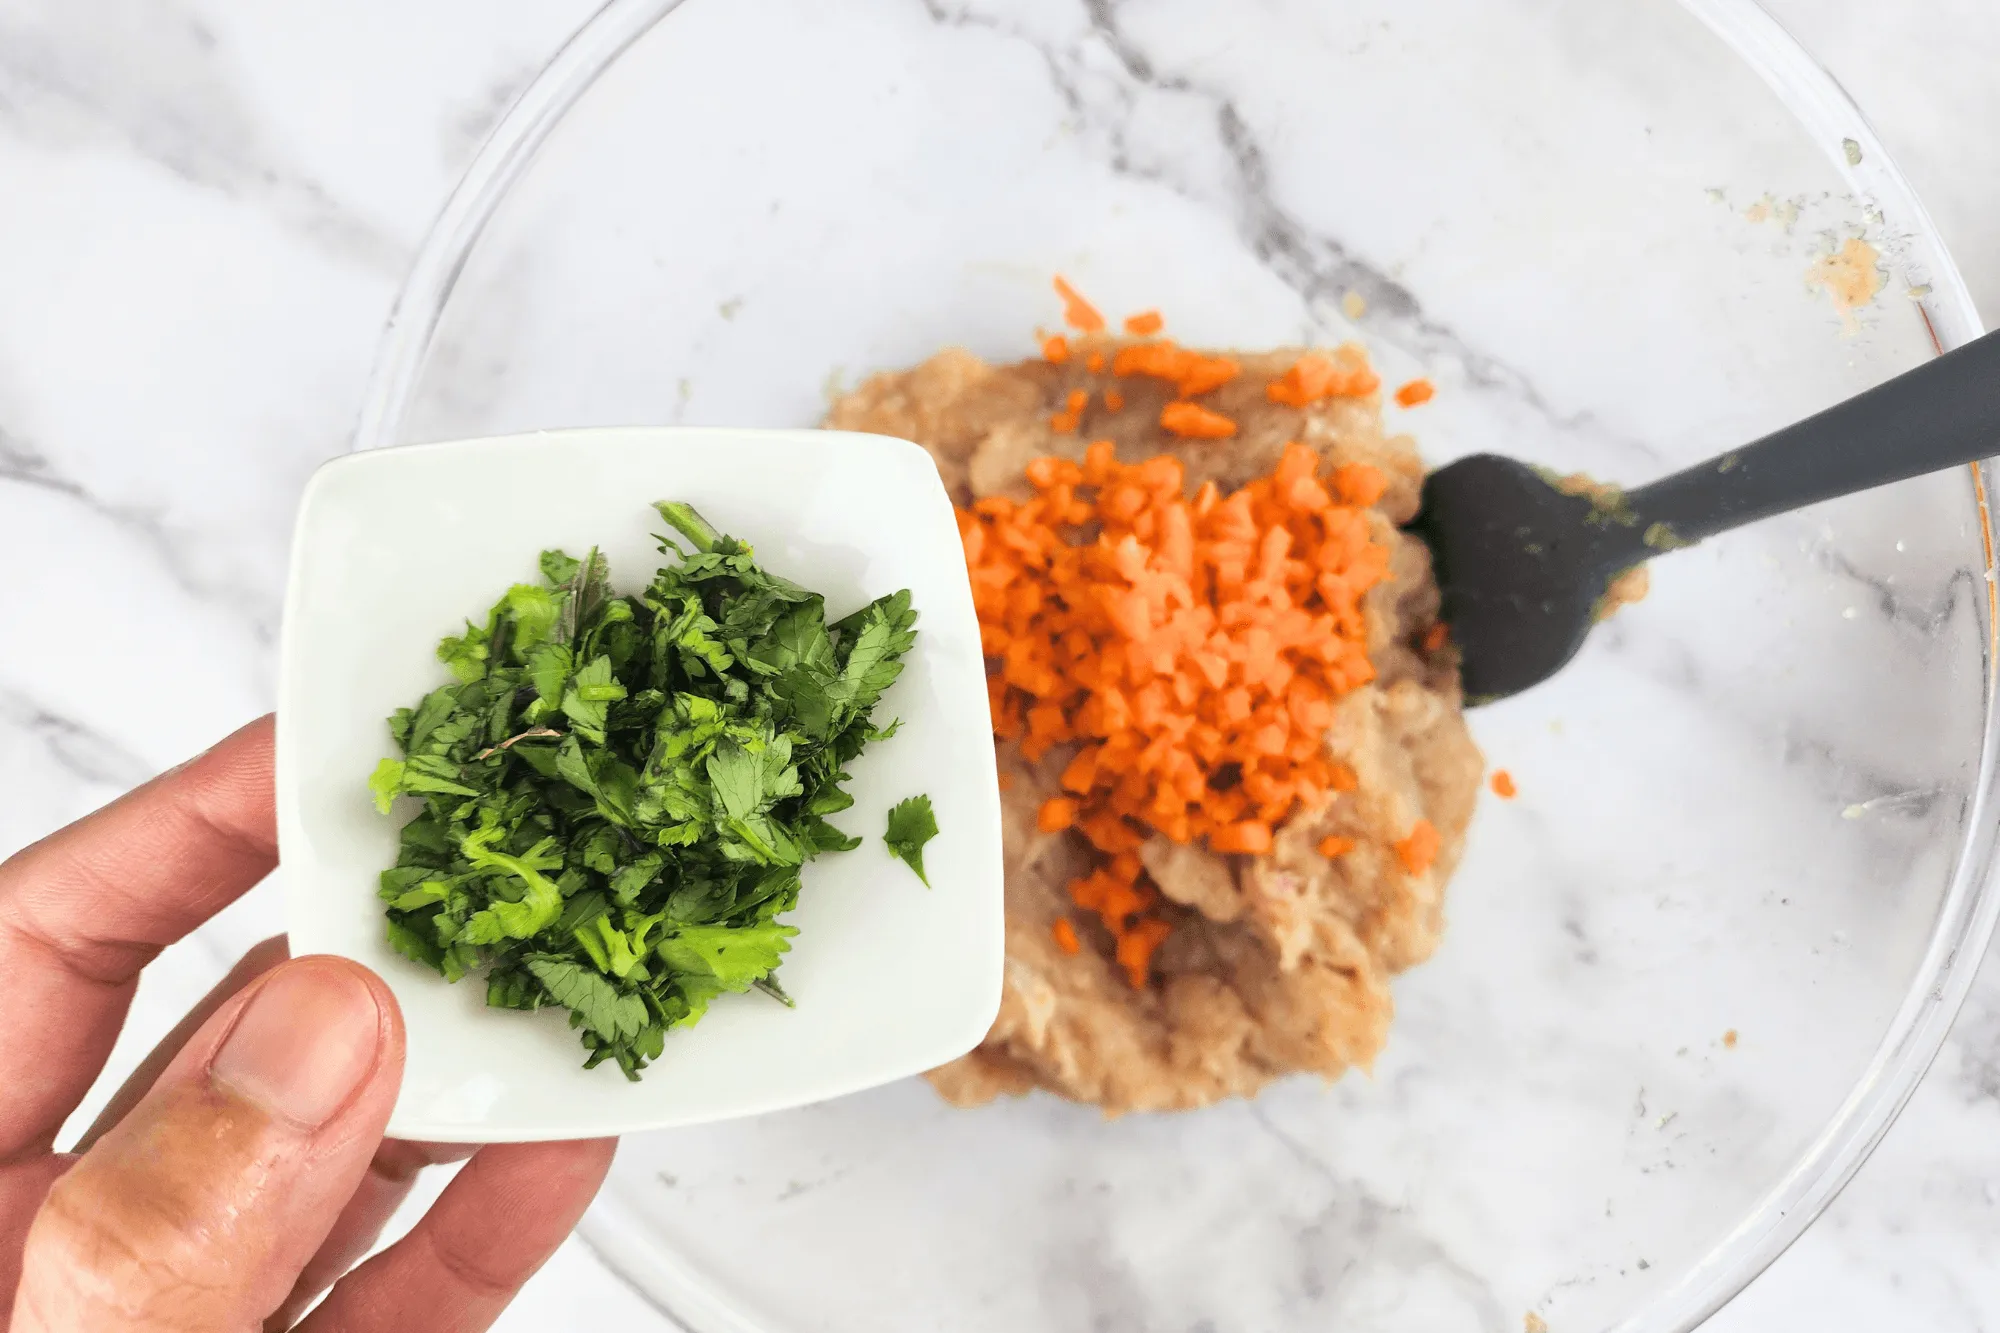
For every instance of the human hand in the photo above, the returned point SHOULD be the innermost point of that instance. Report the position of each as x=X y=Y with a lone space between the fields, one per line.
x=242 y=1169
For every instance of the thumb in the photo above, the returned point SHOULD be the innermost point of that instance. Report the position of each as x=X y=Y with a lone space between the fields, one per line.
x=199 y=1209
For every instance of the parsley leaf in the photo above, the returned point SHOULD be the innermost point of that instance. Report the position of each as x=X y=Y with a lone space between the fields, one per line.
x=603 y=1009
x=617 y=794
x=911 y=825
x=734 y=956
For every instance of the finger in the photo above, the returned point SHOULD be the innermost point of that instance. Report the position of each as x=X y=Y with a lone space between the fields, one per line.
x=261 y=958
x=388 y=1181
x=24 y=1185
x=27 y=1181
x=82 y=911
x=390 y=1176
x=199 y=1209
x=488 y=1233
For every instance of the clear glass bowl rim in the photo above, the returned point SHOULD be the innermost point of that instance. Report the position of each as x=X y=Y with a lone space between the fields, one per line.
x=1968 y=914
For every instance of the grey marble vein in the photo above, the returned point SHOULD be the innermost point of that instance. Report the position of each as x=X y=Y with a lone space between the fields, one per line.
x=83 y=753
x=1370 y=1226
x=151 y=77
x=22 y=465
x=1318 y=268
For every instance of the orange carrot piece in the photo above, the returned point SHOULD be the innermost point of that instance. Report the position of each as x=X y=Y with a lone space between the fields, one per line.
x=1206 y=373
x=1094 y=363
x=1195 y=422
x=1250 y=836
x=1416 y=391
x=1305 y=382
x=1114 y=401
x=1313 y=377
x=1436 y=637
x=1144 y=324
x=1066 y=421
x=1055 y=349
x=1065 y=936
x=1358 y=484
x=1136 y=947
x=1418 y=852
x=1078 y=313
x=1333 y=846
x=1503 y=785
x=1057 y=813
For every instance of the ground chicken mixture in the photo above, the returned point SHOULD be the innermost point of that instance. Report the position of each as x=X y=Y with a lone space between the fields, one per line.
x=1164 y=972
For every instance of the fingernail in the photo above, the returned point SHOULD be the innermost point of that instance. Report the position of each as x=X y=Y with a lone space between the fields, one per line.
x=308 y=1039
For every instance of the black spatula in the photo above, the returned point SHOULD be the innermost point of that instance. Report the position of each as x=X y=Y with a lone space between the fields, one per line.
x=1523 y=565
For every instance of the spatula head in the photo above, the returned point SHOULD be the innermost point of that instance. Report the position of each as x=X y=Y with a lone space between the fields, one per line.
x=1523 y=567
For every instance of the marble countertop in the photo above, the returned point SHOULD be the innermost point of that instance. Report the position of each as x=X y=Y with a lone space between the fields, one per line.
x=209 y=207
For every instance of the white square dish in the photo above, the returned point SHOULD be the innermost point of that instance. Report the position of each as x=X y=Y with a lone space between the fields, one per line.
x=396 y=548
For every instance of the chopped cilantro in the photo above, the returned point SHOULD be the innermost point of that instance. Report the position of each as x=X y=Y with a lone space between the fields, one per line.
x=618 y=792
x=911 y=825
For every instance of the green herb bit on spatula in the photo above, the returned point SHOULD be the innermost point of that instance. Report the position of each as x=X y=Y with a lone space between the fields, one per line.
x=619 y=791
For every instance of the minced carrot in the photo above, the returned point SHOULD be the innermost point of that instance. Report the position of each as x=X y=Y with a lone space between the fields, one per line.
x=1191 y=373
x=1066 y=421
x=1358 y=484
x=1416 y=391
x=1094 y=363
x=1332 y=845
x=1346 y=373
x=1065 y=935
x=1503 y=785
x=1057 y=813
x=1144 y=324
x=1078 y=313
x=1195 y=422
x=1055 y=349
x=1137 y=945
x=1436 y=637
x=1189 y=653
x=1419 y=851
x=1114 y=401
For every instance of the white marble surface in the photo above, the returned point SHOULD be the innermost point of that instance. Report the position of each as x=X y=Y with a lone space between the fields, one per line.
x=208 y=206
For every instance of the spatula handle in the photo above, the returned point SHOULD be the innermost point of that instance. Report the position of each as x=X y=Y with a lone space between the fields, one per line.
x=1942 y=414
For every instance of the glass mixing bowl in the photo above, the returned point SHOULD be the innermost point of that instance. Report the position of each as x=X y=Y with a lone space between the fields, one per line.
x=1693 y=971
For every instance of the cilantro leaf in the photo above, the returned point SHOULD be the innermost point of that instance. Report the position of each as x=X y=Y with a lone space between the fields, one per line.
x=466 y=654
x=735 y=957
x=603 y=1009
x=559 y=568
x=412 y=945
x=533 y=612
x=911 y=825
x=536 y=911
x=387 y=783
x=873 y=643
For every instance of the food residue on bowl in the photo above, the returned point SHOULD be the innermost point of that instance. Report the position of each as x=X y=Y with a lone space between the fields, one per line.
x=1852 y=276
x=1235 y=771
x=1625 y=590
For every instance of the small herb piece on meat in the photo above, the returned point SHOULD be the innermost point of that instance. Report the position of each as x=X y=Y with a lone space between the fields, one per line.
x=619 y=792
x=911 y=825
